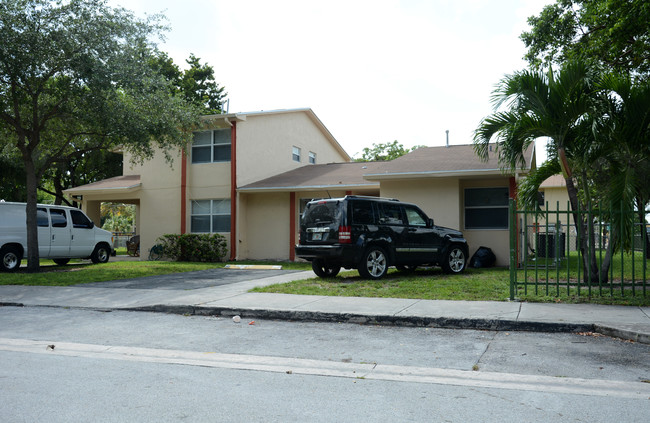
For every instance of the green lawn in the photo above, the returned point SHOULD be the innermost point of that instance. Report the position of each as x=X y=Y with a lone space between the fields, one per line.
x=432 y=284
x=427 y=283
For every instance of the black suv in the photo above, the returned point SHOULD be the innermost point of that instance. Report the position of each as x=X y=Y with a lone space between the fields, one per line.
x=371 y=234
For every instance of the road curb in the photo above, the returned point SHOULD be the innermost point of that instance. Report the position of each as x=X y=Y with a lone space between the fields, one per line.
x=628 y=334
x=385 y=320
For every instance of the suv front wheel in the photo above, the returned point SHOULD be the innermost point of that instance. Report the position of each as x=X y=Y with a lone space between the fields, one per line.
x=455 y=260
x=323 y=270
x=374 y=263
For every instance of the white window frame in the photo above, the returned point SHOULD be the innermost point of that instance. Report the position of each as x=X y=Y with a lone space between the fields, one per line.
x=312 y=157
x=213 y=145
x=210 y=214
x=295 y=154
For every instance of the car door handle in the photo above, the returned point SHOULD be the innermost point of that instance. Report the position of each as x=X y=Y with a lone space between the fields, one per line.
x=413 y=229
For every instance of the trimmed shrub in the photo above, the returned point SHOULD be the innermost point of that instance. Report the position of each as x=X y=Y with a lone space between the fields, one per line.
x=194 y=247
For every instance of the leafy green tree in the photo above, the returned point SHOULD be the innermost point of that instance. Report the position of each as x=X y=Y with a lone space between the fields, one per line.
x=199 y=87
x=384 y=152
x=196 y=84
x=613 y=33
x=117 y=217
x=74 y=75
x=93 y=162
x=80 y=167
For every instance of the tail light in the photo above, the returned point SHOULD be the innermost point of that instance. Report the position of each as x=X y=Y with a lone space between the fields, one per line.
x=345 y=235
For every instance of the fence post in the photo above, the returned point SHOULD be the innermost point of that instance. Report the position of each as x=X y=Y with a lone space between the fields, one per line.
x=513 y=248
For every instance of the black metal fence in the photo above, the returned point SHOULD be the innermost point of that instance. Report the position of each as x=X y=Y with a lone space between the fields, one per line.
x=546 y=258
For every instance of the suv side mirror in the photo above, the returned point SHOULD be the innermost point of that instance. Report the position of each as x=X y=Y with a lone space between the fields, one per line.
x=430 y=223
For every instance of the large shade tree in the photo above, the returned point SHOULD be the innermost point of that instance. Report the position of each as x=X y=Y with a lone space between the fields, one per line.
x=93 y=162
x=77 y=73
x=610 y=33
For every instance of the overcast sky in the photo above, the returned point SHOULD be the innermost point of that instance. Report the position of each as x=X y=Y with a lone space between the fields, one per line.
x=373 y=71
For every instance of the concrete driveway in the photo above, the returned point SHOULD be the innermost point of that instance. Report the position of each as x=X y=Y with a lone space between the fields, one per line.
x=190 y=280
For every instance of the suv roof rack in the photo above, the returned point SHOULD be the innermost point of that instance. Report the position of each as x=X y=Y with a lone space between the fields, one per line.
x=370 y=197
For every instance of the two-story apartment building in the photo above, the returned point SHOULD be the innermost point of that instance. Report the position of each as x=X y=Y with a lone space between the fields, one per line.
x=250 y=176
x=197 y=192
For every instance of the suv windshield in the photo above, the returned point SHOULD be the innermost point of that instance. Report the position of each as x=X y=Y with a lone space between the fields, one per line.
x=322 y=212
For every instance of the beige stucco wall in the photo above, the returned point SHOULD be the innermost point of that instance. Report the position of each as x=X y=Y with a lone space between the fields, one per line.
x=439 y=198
x=496 y=239
x=267 y=227
x=160 y=208
x=265 y=142
x=552 y=196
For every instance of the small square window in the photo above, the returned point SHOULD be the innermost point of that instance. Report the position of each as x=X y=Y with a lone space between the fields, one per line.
x=296 y=154
x=312 y=157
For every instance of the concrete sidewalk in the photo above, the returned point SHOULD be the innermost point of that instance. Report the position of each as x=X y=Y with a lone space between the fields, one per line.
x=631 y=323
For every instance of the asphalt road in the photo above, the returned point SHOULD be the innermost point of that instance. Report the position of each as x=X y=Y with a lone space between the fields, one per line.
x=62 y=365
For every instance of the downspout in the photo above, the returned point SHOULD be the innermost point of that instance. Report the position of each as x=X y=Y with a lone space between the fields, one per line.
x=292 y=226
x=183 y=192
x=233 y=191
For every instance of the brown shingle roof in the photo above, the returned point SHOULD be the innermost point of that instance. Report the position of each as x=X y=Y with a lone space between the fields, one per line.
x=118 y=183
x=454 y=160
x=331 y=175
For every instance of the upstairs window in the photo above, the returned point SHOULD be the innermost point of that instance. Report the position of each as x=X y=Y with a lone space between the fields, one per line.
x=312 y=157
x=486 y=208
x=211 y=146
x=296 y=154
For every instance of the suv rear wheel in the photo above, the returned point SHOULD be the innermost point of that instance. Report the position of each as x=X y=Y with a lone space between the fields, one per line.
x=323 y=270
x=455 y=260
x=374 y=263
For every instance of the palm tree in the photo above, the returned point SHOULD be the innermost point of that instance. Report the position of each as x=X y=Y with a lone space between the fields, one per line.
x=531 y=105
x=623 y=133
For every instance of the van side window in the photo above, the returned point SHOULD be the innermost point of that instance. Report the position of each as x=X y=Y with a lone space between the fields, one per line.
x=414 y=217
x=58 y=218
x=362 y=213
x=41 y=218
x=391 y=214
x=80 y=220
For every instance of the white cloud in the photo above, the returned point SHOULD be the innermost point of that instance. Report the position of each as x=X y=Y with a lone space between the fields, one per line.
x=373 y=71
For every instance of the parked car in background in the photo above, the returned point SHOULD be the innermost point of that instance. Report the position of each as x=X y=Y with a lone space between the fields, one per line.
x=63 y=233
x=371 y=234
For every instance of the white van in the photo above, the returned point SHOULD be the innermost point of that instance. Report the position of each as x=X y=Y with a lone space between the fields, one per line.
x=63 y=233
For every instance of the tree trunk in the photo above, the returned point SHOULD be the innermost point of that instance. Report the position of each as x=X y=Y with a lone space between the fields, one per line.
x=586 y=232
x=33 y=264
